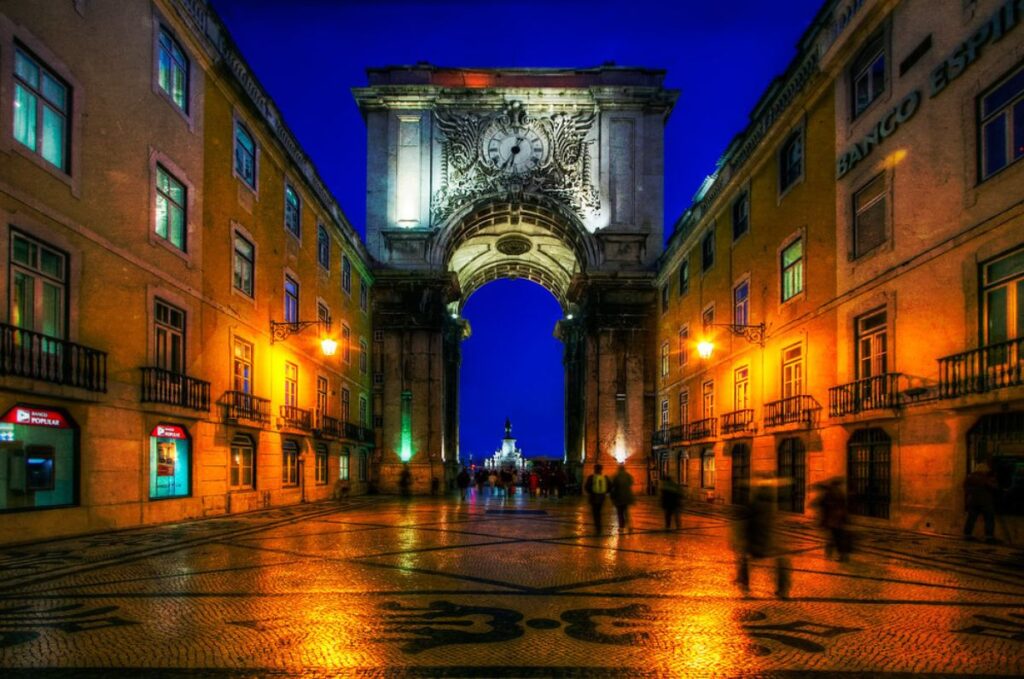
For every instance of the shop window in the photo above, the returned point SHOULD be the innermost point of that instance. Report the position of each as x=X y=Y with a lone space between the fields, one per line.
x=740 y=474
x=171 y=208
x=869 y=216
x=243 y=265
x=38 y=287
x=242 y=463
x=320 y=471
x=1001 y=124
x=741 y=303
x=867 y=470
x=707 y=468
x=172 y=70
x=323 y=247
x=792 y=466
x=38 y=459
x=343 y=464
x=791 y=161
x=684 y=276
x=291 y=300
x=792 y=260
x=740 y=215
x=292 y=211
x=170 y=458
x=245 y=155
x=707 y=250
x=42 y=103
x=346 y=274
x=289 y=463
x=867 y=76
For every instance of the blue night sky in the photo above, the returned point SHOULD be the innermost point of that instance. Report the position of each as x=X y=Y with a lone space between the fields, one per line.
x=721 y=56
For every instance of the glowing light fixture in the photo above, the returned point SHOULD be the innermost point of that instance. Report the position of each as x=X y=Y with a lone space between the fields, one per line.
x=405 y=443
x=704 y=349
x=620 y=452
x=328 y=346
x=282 y=331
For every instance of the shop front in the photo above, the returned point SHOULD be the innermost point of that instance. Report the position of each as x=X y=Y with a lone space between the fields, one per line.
x=170 y=458
x=38 y=458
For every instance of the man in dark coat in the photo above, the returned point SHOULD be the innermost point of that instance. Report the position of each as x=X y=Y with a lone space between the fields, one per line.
x=621 y=495
x=463 y=480
x=597 y=486
x=980 y=488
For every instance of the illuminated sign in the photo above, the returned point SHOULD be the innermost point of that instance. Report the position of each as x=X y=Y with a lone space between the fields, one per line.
x=169 y=431
x=36 y=417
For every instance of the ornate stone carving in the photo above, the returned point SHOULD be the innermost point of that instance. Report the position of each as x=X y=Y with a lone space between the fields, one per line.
x=514 y=245
x=512 y=153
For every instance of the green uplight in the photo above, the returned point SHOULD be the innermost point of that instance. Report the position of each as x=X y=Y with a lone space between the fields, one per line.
x=405 y=447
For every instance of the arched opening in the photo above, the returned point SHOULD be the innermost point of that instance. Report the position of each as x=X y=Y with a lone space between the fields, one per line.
x=792 y=475
x=511 y=368
x=998 y=441
x=869 y=458
x=740 y=474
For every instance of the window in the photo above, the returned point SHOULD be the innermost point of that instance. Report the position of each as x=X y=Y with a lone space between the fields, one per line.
x=740 y=215
x=345 y=404
x=320 y=472
x=792 y=464
x=242 y=366
x=291 y=300
x=362 y=465
x=707 y=250
x=343 y=465
x=1003 y=293
x=684 y=277
x=682 y=468
x=321 y=396
x=664 y=414
x=291 y=384
x=684 y=344
x=684 y=407
x=664 y=298
x=708 y=317
x=791 y=161
x=792 y=371
x=289 y=463
x=364 y=296
x=346 y=343
x=170 y=208
x=708 y=393
x=244 y=265
x=172 y=70
x=741 y=303
x=1001 y=124
x=346 y=274
x=38 y=286
x=872 y=352
x=867 y=77
x=42 y=104
x=170 y=461
x=292 y=211
x=323 y=247
x=323 y=315
x=869 y=216
x=364 y=357
x=741 y=388
x=868 y=465
x=664 y=359
x=740 y=474
x=707 y=468
x=364 y=412
x=245 y=155
x=243 y=455
x=169 y=335
x=793 y=269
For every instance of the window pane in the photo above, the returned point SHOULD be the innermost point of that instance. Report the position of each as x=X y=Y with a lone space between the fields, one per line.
x=53 y=137
x=53 y=310
x=24 y=117
x=994 y=134
x=1007 y=267
x=1003 y=94
x=54 y=92
x=792 y=253
x=997 y=328
x=26 y=69
x=161 y=216
x=23 y=308
x=177 y=234
x=870 y=228
x=1018 y=130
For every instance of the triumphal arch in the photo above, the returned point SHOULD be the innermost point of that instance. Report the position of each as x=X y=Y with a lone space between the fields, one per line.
x=552 y=175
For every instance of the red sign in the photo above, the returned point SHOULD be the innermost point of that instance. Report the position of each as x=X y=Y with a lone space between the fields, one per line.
x=169 y=431
x=36 y=417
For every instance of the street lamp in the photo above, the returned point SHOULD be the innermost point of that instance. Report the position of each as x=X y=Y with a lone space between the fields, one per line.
x=752 y=333
x=282 y=331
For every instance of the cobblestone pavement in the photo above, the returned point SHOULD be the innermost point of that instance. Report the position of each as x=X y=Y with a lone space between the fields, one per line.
x=486 y=587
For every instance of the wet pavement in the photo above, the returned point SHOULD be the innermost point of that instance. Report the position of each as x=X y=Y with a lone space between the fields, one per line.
x=435 y=587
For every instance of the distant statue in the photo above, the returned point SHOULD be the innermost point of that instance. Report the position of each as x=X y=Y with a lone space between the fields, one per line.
x=508 y=428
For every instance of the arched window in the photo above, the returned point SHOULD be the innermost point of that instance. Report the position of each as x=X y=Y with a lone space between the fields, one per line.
x=792 y=475
x=243 y=463
x=868 y=458
x=740 y=474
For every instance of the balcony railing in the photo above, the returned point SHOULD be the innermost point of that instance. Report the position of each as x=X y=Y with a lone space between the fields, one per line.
x=983 y=369
x=327 y=425
x=24 y=353
x=239 y=405
x=701 y=429
x=800 y=408
x=738 y=421
x=297 y=418
x=667 y=435
x=164 y=386
x=871 y=393
x=357 y=432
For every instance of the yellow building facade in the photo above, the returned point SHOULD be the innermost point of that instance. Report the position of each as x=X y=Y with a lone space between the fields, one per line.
x=172 y=262
x=904 y=332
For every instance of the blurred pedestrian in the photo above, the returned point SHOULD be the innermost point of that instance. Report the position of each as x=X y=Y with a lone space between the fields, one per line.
x=462 y=481
x=492 y=482
x=671 y=501
x=481 y=479
x=621 y=495
x=534 y=483
x=405 y=481
x=561 y=481
x=757 y=538
x=980 y=488
x=597 y=487
x=832 y=516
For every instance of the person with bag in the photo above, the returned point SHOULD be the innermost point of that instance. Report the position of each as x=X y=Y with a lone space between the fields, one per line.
x=621 y=495
x=597 y=486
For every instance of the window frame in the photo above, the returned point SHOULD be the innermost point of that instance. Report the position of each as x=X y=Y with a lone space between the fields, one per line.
x=321 y=473
x=251 y=446
x=684 y=345
x=707 y=251
x=792 y=383
x=683 y=275
x=346 y=274
x=323 y=247
x=292 y=210
x=783 y=269
x=707 y=468
x=988 y=284
x=744 y=304
x=1004 y=112
x=664 y=359
x=346 y=343
x=291 y=385
x=290 y=463
x=241 y=126
x=345 y=464
x=184 y=108
x=364 y=295
x=238 y=233
x=41 y=103
x=863 y=64
x=856 y=212
x=741 y=387
x=683 y=406
x=742 y=200
x=242 y=361
x=782 y=165
x=166 y=330
x=707 y=398
x=364 y=356
x=40 y=278
x=160 y=168
x=291 y=301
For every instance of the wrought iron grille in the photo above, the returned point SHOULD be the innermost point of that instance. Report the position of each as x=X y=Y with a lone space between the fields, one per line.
x=24 y=353
x=164 y=386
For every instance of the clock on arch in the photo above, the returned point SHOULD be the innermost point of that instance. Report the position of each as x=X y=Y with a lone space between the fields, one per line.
x=517 y=149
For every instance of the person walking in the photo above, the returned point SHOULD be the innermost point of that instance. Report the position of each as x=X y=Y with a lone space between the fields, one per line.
x=405 y=481
x=671 y=501
x=621 y=495
x=597 y=487
x=980 y=488
x=534 y=483
x=463 y=480
x=757 y=539
x=832 y=515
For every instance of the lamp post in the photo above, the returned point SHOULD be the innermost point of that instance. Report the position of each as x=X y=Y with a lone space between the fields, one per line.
x=755 y=334
x=282 y=331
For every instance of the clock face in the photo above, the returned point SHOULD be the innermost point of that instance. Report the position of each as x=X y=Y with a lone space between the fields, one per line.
x=517 y=150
